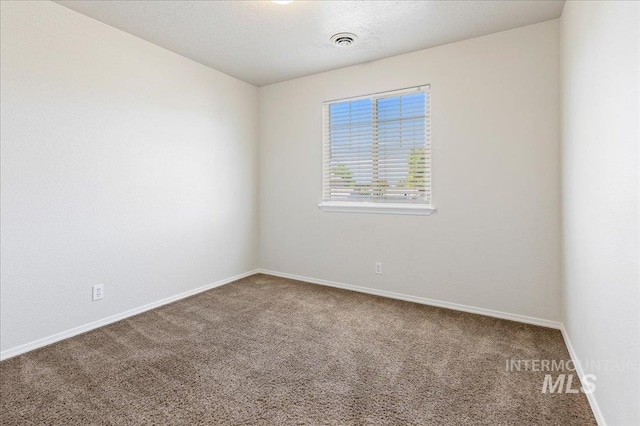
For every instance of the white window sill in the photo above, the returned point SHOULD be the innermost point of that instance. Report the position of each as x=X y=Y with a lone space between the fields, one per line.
x=376 y=208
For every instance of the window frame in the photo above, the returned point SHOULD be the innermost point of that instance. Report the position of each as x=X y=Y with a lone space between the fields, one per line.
x=402 y=208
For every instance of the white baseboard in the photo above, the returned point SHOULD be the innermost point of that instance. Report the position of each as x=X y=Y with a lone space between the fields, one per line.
x=117 y=317
x=591 y=397
x=421 y=300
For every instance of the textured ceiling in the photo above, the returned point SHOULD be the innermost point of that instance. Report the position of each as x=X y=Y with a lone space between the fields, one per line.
x=262 y=42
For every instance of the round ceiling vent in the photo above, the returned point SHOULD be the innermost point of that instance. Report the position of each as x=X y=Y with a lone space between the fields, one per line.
x=344 y=39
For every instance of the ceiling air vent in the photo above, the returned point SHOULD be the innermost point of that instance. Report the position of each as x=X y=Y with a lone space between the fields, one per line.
x=344 y=39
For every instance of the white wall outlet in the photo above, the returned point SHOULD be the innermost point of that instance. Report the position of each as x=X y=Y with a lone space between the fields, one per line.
x=379 y=268
x=98 y=292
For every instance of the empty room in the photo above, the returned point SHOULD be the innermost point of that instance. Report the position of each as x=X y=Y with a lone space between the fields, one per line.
x=320 y=212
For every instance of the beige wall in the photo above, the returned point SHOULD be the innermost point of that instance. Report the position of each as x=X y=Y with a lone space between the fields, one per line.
x=123 y=164
x=495 y=241
x=601 y=184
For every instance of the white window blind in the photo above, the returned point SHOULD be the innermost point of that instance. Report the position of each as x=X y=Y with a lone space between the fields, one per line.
x=376 y=148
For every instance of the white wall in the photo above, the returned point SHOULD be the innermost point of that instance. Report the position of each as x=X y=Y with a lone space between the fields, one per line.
x=601 y=184
x=123 y=164
x=495 y=240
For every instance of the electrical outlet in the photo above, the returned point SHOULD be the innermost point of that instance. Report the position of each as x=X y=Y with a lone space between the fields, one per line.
x=379 y=268
x=98 y=292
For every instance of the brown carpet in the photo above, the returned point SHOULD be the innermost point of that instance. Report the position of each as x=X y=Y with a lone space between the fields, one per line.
x=272 y=351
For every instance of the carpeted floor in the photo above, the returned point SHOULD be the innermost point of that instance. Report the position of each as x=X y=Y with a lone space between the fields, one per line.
x=272 y=351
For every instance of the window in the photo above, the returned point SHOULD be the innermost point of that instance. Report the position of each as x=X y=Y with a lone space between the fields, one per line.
x=377 y=153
